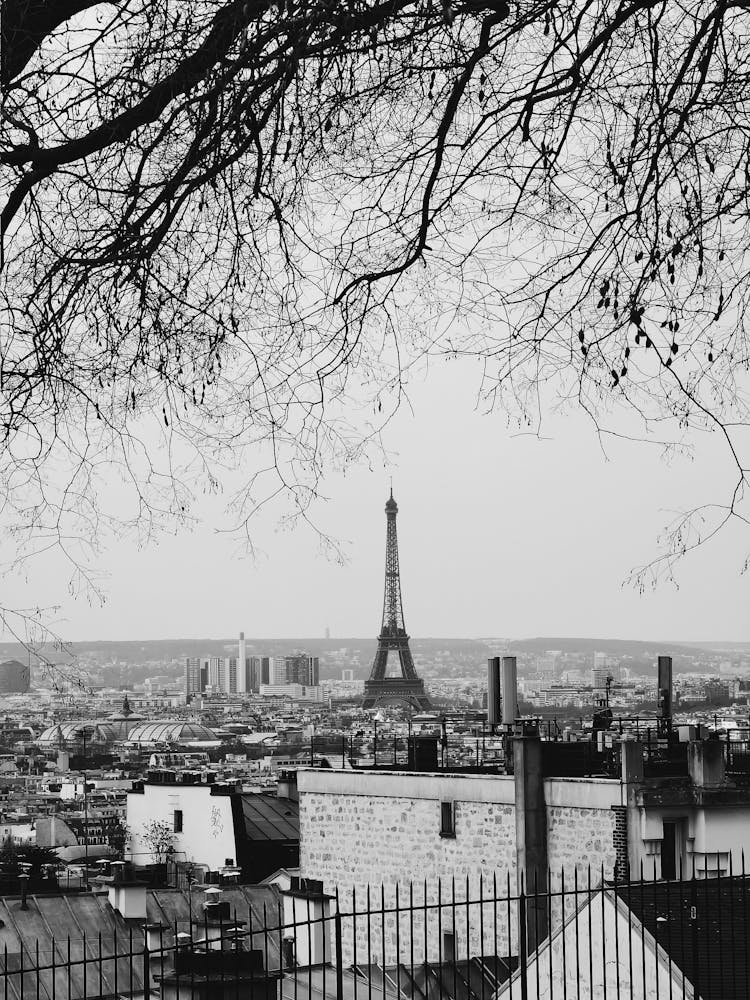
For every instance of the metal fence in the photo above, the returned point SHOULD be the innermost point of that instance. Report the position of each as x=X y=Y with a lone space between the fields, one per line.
x=485 y=751
x=471 y=938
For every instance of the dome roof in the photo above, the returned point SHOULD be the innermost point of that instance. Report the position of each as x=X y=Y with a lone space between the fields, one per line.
x=74 y=734
x=171 y=731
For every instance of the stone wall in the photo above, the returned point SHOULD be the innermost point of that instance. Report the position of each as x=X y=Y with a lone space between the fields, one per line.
x=582 y=828
x=368 y=839
x=382 y=832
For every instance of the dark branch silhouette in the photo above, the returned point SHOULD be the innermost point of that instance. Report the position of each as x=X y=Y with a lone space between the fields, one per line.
x=230 y=215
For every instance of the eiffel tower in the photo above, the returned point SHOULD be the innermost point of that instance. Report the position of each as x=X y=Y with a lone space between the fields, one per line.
x=393 y=638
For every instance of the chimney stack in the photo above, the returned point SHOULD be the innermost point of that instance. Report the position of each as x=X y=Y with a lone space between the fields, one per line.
x=509 y=690
x=215 y=907
x=125 y=895
x=665 y=689
x=494 y=710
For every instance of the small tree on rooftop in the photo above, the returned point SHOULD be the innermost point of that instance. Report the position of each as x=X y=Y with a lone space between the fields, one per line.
x=158 y=836
x=118 y=837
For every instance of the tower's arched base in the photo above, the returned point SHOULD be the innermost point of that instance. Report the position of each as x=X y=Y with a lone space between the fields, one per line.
x=389 y=689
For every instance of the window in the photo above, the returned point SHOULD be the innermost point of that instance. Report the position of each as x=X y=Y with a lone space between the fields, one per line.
x=178 y=821
x=447 y=824
x=449 y=946
x=669 y=851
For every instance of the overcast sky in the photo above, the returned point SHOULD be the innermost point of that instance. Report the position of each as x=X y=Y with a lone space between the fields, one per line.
x=499 y=534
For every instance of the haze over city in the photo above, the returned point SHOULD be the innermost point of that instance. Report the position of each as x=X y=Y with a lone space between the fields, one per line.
x=502 y=533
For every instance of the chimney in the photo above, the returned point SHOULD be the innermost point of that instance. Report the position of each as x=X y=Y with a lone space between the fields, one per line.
x=531 y=831
x=125 y=896
x=665 y=689
x=706 y=763
x=241 y=671
x=286 y=787
x=509 y=690
x=307 y=912
x=215 y=906
x=218 y=926
x=494 y=708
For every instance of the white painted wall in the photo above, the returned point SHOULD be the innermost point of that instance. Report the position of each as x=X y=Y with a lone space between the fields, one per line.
x=19 y=833
x=207 y=836
x=707 y=838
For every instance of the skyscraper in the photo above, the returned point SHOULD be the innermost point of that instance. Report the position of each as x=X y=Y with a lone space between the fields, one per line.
x=231 y=674
x=217 y=673
x=192 y=675
x=241 y=687
x=302 y=669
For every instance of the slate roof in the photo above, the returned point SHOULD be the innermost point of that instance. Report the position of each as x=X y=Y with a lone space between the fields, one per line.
x=462 y=980
x=267 y=817
x=704 y=926
x=257 y=906
x=57 y=929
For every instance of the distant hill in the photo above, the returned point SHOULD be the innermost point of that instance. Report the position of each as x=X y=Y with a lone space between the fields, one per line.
x=113 y=658
x=722 y=647
x=131 y=661
x=613 y=647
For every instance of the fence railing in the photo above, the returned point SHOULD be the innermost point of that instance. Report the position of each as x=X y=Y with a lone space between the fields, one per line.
x=478 y=937
x=588 y=755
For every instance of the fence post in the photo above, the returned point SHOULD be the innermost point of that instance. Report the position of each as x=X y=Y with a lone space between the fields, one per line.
x=339 y=956
x=146 y=970
x=522 y=942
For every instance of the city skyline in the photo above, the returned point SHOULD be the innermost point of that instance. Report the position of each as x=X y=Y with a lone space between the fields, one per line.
x=526 y=536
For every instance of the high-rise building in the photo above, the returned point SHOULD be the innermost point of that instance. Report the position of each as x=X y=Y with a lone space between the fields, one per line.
x=599 y=677
x=277 y=670
x=257 y=672
x=217 y=673
x=241 y=686
x=231 y=674
x=193 y=675
x=302 y=669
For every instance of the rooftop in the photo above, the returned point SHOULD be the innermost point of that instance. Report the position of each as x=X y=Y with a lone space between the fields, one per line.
x=268 y=817
x=171 y=731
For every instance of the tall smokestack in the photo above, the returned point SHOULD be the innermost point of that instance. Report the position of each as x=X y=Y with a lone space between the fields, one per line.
x=509 y=690
x=241 y=668
x=494 y=710
x=665 y=687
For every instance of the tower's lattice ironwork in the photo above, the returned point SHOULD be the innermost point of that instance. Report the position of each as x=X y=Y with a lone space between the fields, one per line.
x=393 y=638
